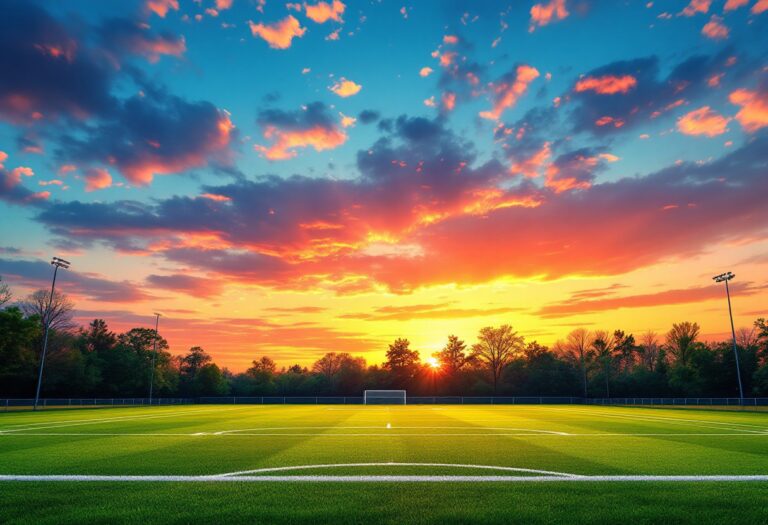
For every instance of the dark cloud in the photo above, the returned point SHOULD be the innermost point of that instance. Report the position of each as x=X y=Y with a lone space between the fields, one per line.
x=188 y=284
x=45 y=72
x=368 y=116
x=121 y=36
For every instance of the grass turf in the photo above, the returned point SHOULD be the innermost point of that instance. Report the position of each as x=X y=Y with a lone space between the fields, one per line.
x=195 y=440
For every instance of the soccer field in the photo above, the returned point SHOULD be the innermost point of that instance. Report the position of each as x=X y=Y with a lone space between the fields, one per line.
x=351 y=464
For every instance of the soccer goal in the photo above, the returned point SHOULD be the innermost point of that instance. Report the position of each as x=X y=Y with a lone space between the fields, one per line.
x=384 y=397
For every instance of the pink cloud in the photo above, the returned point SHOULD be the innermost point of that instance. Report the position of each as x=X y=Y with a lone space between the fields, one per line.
x=97 y=179
x=507 y=93
x=730 y=5
x=696 y=6
x=753 y=114
x=715 y=29
x=161 y=7
x=703 y=121
x=544 y=14
x=607 y=84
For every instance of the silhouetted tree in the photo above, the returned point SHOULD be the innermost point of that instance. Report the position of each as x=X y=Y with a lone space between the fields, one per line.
x=496 y=347
x=402 y=363
x=57 y=311
x=5 y=293
x=680 y=341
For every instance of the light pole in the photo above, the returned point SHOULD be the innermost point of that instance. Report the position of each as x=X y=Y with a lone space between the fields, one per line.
x=725 y=277
x=154 y=356
x=57 y=263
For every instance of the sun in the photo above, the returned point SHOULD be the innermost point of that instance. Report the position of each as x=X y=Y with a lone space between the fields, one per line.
x=433 y=362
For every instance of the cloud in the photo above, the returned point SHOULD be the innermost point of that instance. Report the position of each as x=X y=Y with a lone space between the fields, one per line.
x=121 y=36
x=666 y=298
x=312 y=126
x=324 y=11
x=509 y=89
x=37 y=274
x=730 y=5
x=607 y=84
x=753 y=114
x=575 y=170
x=426 y=311
x=97 y=179
x=154 y=134
x=47 y=73
x=161 y=7
x=546 y=13
x=279 y=35
x=650 y=96
x=368 y=116
x=695 y=7
x=186 y=284
x=703 y=121
x=11 y=189
x=345 y=88
x=425 y=71
x=760 y=6
x=715 y=29
x=223 y=5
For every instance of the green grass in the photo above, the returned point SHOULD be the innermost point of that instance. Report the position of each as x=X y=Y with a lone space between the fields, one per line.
x=568 y=439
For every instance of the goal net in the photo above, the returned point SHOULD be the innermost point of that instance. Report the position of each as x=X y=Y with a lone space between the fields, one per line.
x=384 y=397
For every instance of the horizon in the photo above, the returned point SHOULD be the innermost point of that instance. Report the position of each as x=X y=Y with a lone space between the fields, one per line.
x=295 y=179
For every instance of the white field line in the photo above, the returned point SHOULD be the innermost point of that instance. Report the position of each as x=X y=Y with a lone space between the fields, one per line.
x=678 y=421
x=393 y=464
x=382 y=479
x=75 y=423
x=389 y=427
x=382 y=434
x=664 y=418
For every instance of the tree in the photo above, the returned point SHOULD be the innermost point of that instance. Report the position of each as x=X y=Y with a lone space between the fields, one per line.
x=402 y=363
x=57 y=312
x=649 y=349
x=496 y=347
x=210 y=381
x=97 y=338
x=602 y=347
x=577 y=344
x=18 y=361
x=5 y=293
x=453 y=356
x=328 y=366
x=681 y=339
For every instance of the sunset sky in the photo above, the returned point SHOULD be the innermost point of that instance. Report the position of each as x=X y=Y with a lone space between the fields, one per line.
x=295 y=178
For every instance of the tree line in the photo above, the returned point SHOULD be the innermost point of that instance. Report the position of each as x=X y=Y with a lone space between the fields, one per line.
x=93 y=361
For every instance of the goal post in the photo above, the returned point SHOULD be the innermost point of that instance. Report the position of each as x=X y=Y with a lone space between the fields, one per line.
x=384 y=397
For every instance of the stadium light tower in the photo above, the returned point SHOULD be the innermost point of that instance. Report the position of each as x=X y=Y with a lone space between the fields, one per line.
x=725 y=277
x=57 y=263
x=154 y=356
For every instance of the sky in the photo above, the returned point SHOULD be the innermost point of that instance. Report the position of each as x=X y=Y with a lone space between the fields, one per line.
x=290 y=179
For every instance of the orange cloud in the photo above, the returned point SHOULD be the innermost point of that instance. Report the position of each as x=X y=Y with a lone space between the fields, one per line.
x=543 y=14
x=323 y=11
x=154 y=49
x=425 y=71
x=215 y=197
x=280 y=34
x=345 y=88
x=287 y=141
x=753 y=114
x=760 y=6
x=608 y=120
x=346 y=121
x=97 y=179
x=703 y=121
x=730 y=5
x=696 y=6
x=507 y=93
x=531 y=166
x=450 y=39
x=607 y=84
x=221 y=5
x=715 y=29
x=161 y=7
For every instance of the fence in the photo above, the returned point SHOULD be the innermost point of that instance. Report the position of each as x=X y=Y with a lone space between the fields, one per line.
x=21 y=404
x=679 y=401
x=411 y=400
